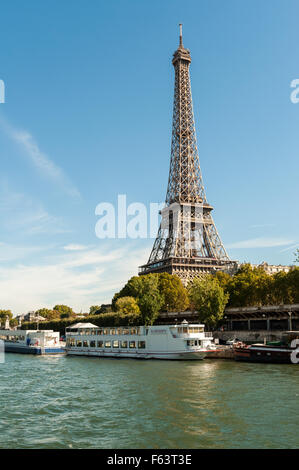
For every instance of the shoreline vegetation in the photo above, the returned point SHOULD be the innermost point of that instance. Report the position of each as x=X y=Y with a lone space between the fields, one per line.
x=143 y=298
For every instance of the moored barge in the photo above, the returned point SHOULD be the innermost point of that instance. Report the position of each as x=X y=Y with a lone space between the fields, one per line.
x=284 y=352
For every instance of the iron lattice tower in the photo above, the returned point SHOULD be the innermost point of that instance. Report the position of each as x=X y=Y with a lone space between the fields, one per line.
x=187 y=242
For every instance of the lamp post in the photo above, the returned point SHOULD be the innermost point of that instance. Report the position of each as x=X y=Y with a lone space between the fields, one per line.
x=290 y=321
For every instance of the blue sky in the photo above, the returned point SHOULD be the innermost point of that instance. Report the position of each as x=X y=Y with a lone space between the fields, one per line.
x=89 y=91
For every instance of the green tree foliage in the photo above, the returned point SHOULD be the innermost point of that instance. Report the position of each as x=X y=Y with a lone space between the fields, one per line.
x=127 y=305
x=3 y=315
x=149 y=298
x=249 y=286
x=104 y=308
x=254 y=287
x=48 y=314
x=171 y=289
x=174 y=293
x=208 y=298
x=297 y=255
x=133 y=288
x=13 y=322
x=63 y=311
x=145 y=289
x=93 y=309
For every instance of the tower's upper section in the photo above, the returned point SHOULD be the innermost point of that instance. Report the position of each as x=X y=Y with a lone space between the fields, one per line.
x=185 y=182
x=181 y=53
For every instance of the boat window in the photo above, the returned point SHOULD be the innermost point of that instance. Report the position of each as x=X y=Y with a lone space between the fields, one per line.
x=107 y=344
x=195 y=329
x=85 y=344
x=112 y=331
x=133 y=331
x=191 y=342
x=100 y=344
x=126 y=331
x=119 y=331
x=141 y=344
x=100 y=332
x=92 y=344
x=115 y=344
x=183 y=329
x=132 y=344
x=106 y=331
x=79 y=344
x=124 y=344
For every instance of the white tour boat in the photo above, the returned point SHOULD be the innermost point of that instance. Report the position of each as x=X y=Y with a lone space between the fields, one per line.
x=182 y=341
x=32 y=341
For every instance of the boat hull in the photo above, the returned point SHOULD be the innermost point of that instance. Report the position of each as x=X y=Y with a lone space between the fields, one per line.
x=178 y=355
x=23 y=349
x=263 y=355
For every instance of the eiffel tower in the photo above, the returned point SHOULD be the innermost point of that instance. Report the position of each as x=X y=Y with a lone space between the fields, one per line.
x=187 y=243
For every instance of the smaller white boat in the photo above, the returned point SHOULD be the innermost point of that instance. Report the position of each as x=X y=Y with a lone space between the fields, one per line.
x=32 y=341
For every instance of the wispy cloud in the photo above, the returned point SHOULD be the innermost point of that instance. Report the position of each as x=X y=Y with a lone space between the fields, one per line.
x=289 y=248
x=261 y=242
x=38 y=158
x=10 y=252
x=74 y=247
x=262 y=225
x=20 y=213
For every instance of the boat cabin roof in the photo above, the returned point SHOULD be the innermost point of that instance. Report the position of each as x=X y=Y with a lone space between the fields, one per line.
x=77 y=326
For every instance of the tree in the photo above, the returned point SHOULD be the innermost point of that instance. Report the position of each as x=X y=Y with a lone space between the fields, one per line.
x=250 y=286
x=297 y=255
x=63 y=310
x=208 y=298
x=133 y=288
x=149 y=298
x=127 y=305
x=292 y=279
x=13 y=322
x=175 y=295
x=48 y=314
x=224 y=280
x=3 y=315
x=145 y=289
x=93 y=309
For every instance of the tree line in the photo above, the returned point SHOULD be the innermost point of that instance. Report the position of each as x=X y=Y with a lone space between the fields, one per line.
x=143 y=298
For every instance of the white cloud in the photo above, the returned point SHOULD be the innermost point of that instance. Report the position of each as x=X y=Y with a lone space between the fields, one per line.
x=261 y=242
x=39 y=159
x=74 y=247
x=78 y=279
x=9 y=252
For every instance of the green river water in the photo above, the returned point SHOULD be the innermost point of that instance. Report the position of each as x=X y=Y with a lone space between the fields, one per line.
x=80 y=402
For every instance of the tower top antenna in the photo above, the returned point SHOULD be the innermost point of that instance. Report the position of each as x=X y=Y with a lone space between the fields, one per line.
x=181 y=34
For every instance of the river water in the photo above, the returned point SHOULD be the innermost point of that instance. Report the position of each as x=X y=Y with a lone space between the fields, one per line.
x=80 y=402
